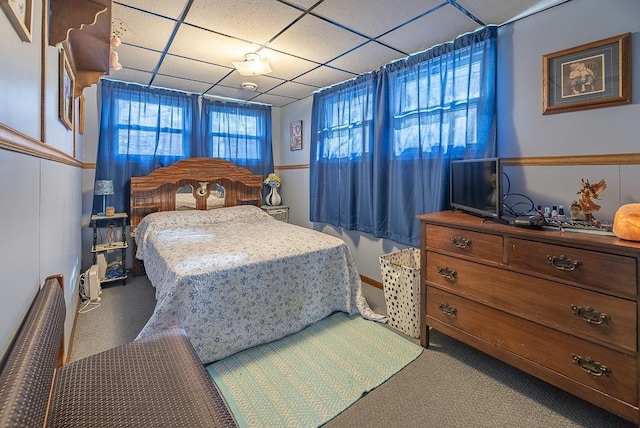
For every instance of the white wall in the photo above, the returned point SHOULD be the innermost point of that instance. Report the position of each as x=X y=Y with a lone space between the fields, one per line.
x=40 y=207
x=522 y=129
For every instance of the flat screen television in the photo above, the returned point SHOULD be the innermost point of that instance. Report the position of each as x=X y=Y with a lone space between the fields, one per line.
x=475 y=186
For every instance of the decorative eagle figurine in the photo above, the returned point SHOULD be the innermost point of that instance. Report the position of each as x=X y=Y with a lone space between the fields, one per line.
x=585 y=205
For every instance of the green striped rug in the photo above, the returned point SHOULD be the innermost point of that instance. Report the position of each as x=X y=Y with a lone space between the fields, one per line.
x=308 y=378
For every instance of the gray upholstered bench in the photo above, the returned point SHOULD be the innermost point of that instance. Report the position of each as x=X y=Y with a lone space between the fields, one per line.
x=156 y=382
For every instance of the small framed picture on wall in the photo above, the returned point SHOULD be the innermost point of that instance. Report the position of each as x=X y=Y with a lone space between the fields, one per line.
x=295 y=131
x=65 y=91
x=20 y=13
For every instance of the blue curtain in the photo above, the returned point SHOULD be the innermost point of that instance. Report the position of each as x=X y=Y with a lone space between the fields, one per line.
x=341 y=167
x=428 y=109
x=240 y=133
x=141 y=129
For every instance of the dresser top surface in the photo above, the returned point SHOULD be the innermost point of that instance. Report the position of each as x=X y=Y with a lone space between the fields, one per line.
x=575 y=237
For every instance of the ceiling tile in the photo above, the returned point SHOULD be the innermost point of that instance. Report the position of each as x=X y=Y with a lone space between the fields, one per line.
x=255 y=21
x=138 y=58
x=231 y=94
x=317 y=40
x=143 y=29
x=169 y=8
x=293 y=90
x=367 y=58
x=305 y=4
x=274 y=100
x=324 y=76
x=444 y=25
x=192 y=69
x=367 y=20
x=210 y=47
x=498 y=11
x=131 y=76
x=286 y=66
x=265 y=83
x=180 y=84
x=216 y=33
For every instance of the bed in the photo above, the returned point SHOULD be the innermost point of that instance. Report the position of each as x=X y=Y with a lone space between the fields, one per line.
x=234 y=277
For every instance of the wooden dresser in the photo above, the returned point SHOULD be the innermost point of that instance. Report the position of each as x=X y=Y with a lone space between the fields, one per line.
x=562 y=306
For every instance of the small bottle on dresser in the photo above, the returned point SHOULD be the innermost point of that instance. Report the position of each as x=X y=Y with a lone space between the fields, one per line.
x=561 y=214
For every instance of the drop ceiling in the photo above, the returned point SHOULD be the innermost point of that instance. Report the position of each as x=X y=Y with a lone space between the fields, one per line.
x=189 y=45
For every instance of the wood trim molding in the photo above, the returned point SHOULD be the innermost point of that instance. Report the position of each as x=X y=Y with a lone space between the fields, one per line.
x=15 y=141
x=611 y=159
x=608 y=159
x=371 y=281
x=285 y=167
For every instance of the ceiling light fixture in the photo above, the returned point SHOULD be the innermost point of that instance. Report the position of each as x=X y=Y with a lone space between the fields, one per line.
x=253 y=65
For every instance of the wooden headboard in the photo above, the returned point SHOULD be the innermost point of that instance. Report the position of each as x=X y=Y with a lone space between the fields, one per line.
x=157 y=191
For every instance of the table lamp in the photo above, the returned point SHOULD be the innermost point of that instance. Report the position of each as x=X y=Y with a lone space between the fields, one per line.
x=104 y=188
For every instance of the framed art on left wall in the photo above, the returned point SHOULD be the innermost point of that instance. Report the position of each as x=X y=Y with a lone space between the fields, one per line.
x=65 y=91
x=20 y=13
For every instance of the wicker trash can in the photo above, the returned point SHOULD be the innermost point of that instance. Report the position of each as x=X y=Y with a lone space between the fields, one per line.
x=401 y=283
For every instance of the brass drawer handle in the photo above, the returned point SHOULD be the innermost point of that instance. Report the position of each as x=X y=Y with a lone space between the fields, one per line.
x=590 y=315
x=564 y=263
x=591 y=366
x=447 y=273
x=460 y=242
x=447 y=309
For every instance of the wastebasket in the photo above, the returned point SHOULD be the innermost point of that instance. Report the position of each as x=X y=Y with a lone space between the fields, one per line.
x=401 y=284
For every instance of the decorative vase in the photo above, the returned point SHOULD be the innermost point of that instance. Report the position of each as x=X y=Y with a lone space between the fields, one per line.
x=273 y=198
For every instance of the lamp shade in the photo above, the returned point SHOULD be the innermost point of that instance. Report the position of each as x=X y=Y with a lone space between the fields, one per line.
x=103 y=187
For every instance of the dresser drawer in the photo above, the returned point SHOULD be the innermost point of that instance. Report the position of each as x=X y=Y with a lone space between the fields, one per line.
x=602 y=270
x=459 y=241
x=611 y=319
x=549 y=348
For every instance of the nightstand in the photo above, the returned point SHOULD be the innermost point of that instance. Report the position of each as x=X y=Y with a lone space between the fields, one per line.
x=279 y=212
x=110 y=250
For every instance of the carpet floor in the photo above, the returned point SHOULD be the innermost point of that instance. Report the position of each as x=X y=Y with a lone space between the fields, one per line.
x=307 y=378
x=448 y=385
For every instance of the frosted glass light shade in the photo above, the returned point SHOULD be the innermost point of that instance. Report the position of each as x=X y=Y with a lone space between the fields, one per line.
x=253 y=65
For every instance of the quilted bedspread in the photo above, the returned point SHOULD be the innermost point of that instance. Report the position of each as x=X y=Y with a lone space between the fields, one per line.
x=235 y=277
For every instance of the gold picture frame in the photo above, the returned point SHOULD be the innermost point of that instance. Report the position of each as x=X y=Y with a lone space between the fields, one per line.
x=295 y=133
x=593 y=75
x=65 y=91
x=20 y=13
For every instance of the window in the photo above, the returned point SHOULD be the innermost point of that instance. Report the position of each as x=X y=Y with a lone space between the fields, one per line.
x=382 y=142
x=238 y=132
x=147 y=129
x=436 y=105
x=236 y=135
x=346 y=125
